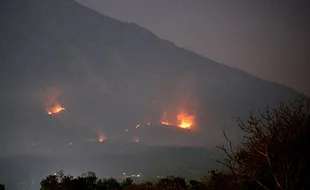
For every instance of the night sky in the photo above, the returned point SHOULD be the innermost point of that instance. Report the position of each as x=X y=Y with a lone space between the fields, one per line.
x=269 y=39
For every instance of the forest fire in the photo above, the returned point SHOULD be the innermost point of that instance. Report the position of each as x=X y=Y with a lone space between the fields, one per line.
x=186 y=121
x=49 y=98
x=182 y=120
x=55 y=109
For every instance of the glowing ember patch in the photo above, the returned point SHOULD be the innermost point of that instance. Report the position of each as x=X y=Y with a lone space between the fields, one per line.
x=55 y=109
x=182 y=120
x=185 y=120
x=136 y=140
x=149 y=123
x=164 y=122
x=101 y=138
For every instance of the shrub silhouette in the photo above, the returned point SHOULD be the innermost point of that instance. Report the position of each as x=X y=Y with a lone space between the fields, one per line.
x=196 y=185
x=87 y=181
x=2 y=187
x=273 y=153
x=127 y=182
x=217 y=180
x=172 y=182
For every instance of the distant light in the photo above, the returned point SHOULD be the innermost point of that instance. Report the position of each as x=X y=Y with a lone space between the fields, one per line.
x=124 y=173
x=126 y=130
x=70 y=144
x=137 y=126
x=138 y=175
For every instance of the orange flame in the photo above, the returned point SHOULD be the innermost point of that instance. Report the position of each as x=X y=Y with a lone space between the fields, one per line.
x=55 y=109
x=186 y=121
x=164 y=120
x=149 y=123
x=183 y=120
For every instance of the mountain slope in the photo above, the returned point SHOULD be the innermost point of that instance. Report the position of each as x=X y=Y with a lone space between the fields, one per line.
x=111 y=76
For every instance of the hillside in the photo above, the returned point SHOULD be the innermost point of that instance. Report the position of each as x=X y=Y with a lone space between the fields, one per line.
x=110 y=76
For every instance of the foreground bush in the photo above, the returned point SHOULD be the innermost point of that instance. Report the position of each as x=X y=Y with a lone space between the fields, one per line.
x=274 y=151
x=89 y=181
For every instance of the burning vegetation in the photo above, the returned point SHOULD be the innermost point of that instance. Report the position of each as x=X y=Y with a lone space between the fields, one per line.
x=185 y=120
x=50 y=100
x=182 y=120
x=55 y=109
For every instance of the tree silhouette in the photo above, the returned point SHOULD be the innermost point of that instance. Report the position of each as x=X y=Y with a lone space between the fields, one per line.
x=196 y=185
x=50 y=183
x=217 y=180
x=126 y=182
x=172 y=182
x=2 y=187
x=274 y=151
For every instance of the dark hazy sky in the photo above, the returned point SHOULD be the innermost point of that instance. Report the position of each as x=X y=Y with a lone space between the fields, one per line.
x=267 y=38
